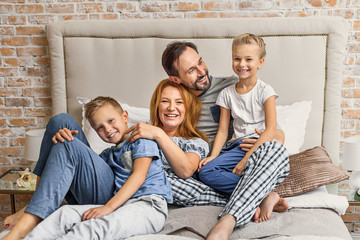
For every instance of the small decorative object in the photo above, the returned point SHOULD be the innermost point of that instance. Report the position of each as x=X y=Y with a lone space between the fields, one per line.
x=351 y=161
x=357 y=195
x=27 y=180
x=33 y=140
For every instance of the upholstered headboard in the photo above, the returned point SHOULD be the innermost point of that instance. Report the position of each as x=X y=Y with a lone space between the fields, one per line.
x=122 y=59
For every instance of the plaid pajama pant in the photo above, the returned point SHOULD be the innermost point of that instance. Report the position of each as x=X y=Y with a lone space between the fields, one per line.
x=266 y=168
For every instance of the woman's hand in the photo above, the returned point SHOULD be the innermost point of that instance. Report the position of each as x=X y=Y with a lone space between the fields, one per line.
x=205 y=161
x=143 y=130
x=239 y=168
x=96 y=212
x=64 y=133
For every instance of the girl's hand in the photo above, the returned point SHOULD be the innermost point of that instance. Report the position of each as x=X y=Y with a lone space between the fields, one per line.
x=64 y=133
x=239 y=168
x=204 y=162
x=143 y=130
x=96 y=212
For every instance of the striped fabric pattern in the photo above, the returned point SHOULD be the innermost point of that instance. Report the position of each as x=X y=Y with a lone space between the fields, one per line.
x=266 y=168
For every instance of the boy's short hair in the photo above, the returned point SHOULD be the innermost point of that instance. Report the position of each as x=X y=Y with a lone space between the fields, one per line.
x=94 y=105
x=249 y=38
x=172 y=53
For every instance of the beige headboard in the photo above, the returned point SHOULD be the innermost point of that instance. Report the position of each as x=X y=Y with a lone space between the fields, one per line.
x=122 y=59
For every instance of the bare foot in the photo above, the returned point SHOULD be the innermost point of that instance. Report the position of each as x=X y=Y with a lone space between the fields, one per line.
x=281 y=205
x=256 y=215
x=267 y=206
x=11 y=220
x=222 y=229
x=27 y=223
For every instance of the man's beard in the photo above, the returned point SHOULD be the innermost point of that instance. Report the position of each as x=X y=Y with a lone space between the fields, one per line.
x=202 y=87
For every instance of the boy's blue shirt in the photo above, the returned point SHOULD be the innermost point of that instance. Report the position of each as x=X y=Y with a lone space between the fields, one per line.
x=120 y=158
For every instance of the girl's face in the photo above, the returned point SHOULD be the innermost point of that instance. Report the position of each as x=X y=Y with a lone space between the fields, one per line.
x=246 y=61
x=171 y=110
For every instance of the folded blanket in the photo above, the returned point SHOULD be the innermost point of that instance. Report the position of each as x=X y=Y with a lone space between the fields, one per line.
x=319 y=199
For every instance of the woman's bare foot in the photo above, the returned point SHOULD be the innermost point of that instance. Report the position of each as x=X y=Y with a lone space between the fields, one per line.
x=223 y=228
x=11 y=220
x=25 y=225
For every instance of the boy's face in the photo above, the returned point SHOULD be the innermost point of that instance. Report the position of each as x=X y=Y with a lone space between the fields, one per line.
x=246 y=61
x=193 y=72
x=109 y=124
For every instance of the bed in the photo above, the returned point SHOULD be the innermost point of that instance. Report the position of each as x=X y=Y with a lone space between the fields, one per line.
x=304 y=65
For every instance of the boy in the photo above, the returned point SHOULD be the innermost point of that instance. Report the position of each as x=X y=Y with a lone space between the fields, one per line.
x=139 y=204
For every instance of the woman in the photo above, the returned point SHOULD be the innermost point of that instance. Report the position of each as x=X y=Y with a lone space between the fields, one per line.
x=174 y=112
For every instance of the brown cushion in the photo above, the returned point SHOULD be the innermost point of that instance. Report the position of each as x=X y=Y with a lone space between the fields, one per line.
x=309 y=170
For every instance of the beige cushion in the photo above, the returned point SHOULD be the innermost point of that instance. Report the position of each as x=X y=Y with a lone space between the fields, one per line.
x=309 y=170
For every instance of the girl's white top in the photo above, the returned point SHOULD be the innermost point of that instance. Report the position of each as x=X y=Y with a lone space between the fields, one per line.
x=246 y=109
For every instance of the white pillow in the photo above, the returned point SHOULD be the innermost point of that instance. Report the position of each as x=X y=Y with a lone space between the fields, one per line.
x=96 y=143
x=292 y=120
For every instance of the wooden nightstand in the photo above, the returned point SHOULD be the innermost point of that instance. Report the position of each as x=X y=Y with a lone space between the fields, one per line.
x=8 y=186
x=352 y=215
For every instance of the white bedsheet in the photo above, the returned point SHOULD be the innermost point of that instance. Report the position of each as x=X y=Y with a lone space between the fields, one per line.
x=319 y=198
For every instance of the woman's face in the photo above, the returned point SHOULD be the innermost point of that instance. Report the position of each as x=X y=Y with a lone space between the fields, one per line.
x=171 y=110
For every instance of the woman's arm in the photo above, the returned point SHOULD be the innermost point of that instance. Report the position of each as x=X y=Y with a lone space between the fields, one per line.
x=183 y=164
x=267 y=135
x=133 y=183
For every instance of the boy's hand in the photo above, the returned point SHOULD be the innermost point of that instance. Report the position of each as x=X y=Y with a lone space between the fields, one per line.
x=64 y=133
x=239 y=168
x=204 y=162
x=96 y=212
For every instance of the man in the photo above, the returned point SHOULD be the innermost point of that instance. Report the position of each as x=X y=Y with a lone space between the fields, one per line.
x=184 y=65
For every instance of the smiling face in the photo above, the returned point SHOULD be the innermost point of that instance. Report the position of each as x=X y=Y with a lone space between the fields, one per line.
x=171 y=110
x=109 y=124
x=193 y=72
x=246 y=61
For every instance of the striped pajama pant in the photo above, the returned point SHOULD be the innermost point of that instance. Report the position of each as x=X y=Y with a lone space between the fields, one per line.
x=266 y=168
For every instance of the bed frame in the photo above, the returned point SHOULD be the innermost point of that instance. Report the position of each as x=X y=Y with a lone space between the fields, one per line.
x=122 y=59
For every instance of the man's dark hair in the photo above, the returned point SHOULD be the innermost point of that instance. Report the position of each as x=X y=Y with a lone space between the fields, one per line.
x=172 y=53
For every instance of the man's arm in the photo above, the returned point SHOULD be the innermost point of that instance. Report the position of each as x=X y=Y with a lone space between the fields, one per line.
x=248 y=143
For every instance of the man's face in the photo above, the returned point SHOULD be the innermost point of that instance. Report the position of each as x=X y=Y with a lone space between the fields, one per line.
x=193 y=73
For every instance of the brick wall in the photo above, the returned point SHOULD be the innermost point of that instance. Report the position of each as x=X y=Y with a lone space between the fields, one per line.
x=25 y=101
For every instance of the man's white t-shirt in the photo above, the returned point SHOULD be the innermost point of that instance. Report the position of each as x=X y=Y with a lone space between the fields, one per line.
x=246 y=109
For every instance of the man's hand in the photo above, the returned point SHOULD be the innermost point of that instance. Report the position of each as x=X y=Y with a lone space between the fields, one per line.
x=96 y=212
x=248 y=143
x=64 y=134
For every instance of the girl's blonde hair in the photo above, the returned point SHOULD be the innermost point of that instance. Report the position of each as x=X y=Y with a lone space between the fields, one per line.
x=187 y=128
x=94 y=105
x=249 y=38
